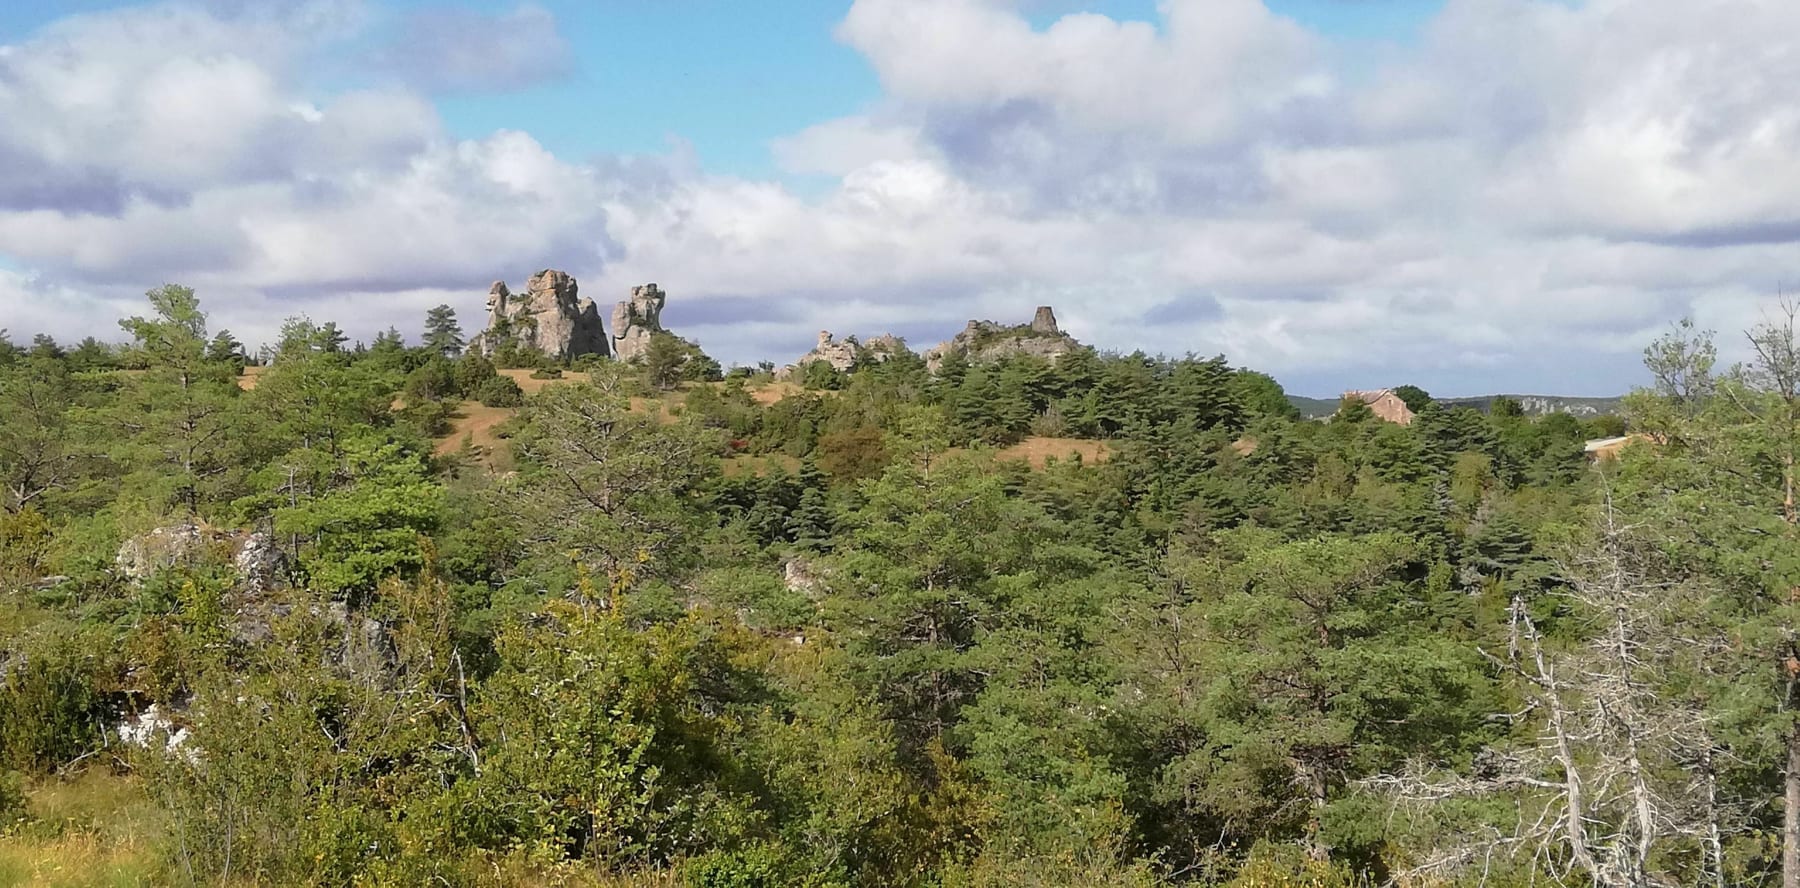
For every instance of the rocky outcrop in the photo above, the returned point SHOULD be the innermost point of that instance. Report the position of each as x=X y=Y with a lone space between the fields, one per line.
x=983 y=341
x=802 y=576
x=261 y=565
x=549 y=317
x=635 y=320
x=160 y=549
x=842 y=354
x=1386 y=405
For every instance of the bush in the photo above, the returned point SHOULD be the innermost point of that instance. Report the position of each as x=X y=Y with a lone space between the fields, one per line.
x=49 y=708
x=473 y=371
x=500 y=391
x=435 y=380
x=547 y=373
x=758 y=866
x=12 y=802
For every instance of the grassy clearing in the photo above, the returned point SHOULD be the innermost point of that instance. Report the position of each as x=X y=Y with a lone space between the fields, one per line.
x=1039 y=451
x=97 y=828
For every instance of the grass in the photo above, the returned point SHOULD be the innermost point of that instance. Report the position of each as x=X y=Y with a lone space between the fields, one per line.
x=1038 y=451
x=96 y=828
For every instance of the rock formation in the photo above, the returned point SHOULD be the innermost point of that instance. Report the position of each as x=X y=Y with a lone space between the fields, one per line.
x=1385 y=405
x=635 y=319
x=983 y=341
x=842 y=354
x=548 y=317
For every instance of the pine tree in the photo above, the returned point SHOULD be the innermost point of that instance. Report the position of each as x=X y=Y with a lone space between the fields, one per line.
x=177 y=420
x=443 y=334
x=810 y=525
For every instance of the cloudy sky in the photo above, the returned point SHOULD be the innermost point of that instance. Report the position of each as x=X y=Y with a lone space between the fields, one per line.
x=1470 y=195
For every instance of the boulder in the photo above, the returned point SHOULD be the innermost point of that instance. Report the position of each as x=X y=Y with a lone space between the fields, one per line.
x=635 y=319
x=261 y=565
x=159 y=549
x=984 y=341
x=549 y=317
x=800 y=575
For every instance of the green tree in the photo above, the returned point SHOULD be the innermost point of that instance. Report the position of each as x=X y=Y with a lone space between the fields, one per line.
x=616 y=487
x=1415 y=398
x=225 y=349
x=371 y=524
x=41 y=452
x=443 y=335
x=178 y=421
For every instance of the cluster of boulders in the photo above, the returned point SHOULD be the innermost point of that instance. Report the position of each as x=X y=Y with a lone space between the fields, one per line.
x=983 y=341
x=256 y=600
x=842 y=354
x=551 y=318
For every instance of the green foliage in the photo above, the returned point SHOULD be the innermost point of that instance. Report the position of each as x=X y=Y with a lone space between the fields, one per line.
x=669 y=360
x=863 y=651
x=499 y=391
x=434 y=380
x=443 y=335
x=177 y=423
x=50 y=701
x=616 y=487
x=372 y=525
x=1415 y=398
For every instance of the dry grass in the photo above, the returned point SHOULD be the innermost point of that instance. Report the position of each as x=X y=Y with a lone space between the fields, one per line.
x=773 y=392
x=248 y=381
x=478 y=424
x=1038 y=451
x=96 y=829
x=533 y=386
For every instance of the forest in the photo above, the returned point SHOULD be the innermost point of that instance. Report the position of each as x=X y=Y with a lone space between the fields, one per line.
x=288 y=619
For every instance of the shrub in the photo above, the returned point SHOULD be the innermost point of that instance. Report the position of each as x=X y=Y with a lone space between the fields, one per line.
x=472 y=371
x=435 y=380
x=500 y=391
x=547 y=373
x=12 y=801
x=49 y=708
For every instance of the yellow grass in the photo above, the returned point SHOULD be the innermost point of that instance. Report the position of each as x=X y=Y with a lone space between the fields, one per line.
x=96 y=829
x=1037 y=451
x=248 y=381
x=773 y=392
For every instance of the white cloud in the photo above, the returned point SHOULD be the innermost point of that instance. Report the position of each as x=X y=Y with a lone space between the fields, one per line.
x=1519 y=201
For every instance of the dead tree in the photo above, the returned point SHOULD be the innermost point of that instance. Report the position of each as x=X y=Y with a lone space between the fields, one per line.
x=1619 y=767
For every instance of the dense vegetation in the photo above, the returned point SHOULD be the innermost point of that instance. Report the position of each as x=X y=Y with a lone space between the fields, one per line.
x=1246 y=649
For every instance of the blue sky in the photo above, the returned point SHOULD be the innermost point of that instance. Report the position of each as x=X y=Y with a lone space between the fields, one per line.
x=727 y=77
x=1470 y=195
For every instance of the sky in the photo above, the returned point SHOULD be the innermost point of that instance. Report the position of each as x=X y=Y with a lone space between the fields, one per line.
x=1468 y=195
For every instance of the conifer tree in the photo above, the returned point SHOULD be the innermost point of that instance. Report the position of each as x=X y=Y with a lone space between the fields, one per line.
x=177 y=420
x=443 y=334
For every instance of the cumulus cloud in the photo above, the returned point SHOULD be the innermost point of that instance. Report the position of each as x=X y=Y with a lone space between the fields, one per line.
x=1518 y=201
